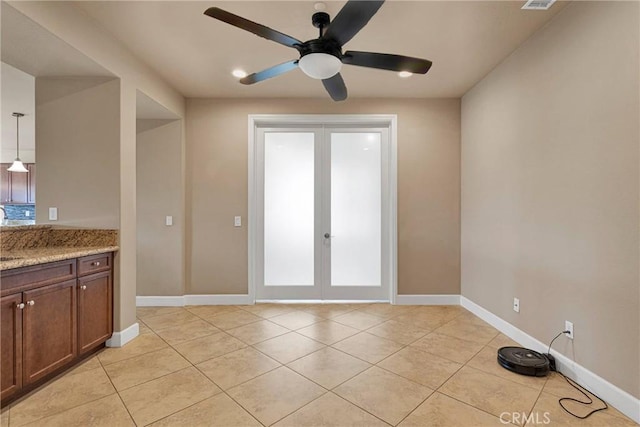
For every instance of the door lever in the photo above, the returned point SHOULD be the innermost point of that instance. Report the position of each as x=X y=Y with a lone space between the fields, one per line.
x=327 y=236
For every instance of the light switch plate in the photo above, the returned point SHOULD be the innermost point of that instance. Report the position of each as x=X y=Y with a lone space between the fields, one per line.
x=53 y=214
x=169 y=220
x=237 y=221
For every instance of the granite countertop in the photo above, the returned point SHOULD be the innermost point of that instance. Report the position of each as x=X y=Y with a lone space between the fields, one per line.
x=6 y=227
x=25 y=257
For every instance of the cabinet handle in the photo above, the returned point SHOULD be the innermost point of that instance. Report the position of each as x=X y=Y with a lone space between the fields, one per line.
x=32 y=302
x=96 y=263
x=20 y=305
x=83 y=287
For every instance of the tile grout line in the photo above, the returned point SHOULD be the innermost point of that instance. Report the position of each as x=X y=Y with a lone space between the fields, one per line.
x=152 y=379
x=452 y=397
x=48 y=383
x=243 y=382
x=203 y=374
x=537 y=398
x=293 y=360
x=117 y=393
x=479 y=370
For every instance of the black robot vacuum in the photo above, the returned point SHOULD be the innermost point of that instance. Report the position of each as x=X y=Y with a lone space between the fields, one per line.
x=524 y=361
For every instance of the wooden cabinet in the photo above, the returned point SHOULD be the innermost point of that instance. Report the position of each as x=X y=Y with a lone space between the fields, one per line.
x=95 y=313
x=5 y=183
x=11 y=340
x=52 y=315
x=49 y=329
x=17 y=187
x=31 y=189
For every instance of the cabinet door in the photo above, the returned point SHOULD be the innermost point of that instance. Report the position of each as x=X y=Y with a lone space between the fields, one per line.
x=49 y=329
x=5 y=183
x=95 y=323
x=19 y=186
x=31 y=191
x=11 y=340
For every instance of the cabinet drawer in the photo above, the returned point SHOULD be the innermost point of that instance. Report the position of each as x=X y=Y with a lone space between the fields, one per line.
x=19 y=279
x=94 y=263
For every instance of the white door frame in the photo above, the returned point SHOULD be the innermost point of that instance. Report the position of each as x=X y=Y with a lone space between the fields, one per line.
x=389 y=121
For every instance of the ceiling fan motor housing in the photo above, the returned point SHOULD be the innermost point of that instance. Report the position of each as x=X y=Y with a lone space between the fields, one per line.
x=320 y=19
x=321 y=45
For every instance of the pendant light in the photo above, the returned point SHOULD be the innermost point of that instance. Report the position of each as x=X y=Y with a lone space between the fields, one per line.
x=17 y=165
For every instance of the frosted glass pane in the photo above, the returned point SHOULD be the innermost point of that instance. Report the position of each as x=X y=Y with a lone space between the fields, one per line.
x=356 y=197
x=288 y=209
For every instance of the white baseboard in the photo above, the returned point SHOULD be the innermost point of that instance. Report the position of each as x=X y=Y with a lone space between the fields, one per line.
x=428 y=300
x=217 y=300
x=616 y=397
x=318 y=301
x=180 y=301
x=177 y=301
x=119 y=339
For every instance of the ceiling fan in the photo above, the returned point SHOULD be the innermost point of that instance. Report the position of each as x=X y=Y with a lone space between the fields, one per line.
x=322 y=58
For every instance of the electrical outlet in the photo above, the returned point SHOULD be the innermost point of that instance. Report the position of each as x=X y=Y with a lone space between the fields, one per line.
x=53 y=214
x=516 y=305
x=568 y=326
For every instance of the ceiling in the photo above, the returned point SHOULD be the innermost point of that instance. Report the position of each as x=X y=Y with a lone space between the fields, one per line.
x=196 y=54
x=149 y=109
x=30 y=48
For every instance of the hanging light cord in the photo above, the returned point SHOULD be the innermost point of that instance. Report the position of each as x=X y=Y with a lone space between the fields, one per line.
x=582 y=390
x=17 y=134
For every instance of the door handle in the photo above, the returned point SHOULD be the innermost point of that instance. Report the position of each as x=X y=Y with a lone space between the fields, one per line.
x=20 y=305
x=83 y=287
x=327 y=236
x=32 y=302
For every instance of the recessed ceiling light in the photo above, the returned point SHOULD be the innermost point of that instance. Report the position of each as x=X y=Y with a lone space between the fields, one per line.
x=239 y=73
x=405 y=74
x=538 y=4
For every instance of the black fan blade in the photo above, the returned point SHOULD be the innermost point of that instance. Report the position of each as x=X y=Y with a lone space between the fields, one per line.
x=351 y=18
x=255 y=28
x=386 y=61
x=274 y=71
x=336 y=88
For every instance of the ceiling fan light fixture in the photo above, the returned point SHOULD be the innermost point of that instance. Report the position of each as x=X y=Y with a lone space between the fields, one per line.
x=320 y=65
x=405 y=74
x=238 y=73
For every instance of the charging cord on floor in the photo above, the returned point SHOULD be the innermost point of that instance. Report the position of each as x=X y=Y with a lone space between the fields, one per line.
x=578 y=387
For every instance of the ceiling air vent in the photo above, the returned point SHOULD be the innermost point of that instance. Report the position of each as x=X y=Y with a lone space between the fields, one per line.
x=538 y=4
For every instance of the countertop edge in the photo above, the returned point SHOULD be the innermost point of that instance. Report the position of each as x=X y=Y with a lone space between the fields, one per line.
x=51 y=256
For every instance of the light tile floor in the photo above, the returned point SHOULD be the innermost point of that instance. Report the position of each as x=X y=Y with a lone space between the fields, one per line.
x=302 y=365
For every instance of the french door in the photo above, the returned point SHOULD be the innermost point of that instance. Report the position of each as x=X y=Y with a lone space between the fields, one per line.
x=323 y=213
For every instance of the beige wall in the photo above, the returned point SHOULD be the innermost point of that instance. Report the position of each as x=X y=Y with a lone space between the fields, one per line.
x=74 y=27
x=550 y=188
x=78 y=150
x=18 y=95
x=159 y=193
x=428 y=188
